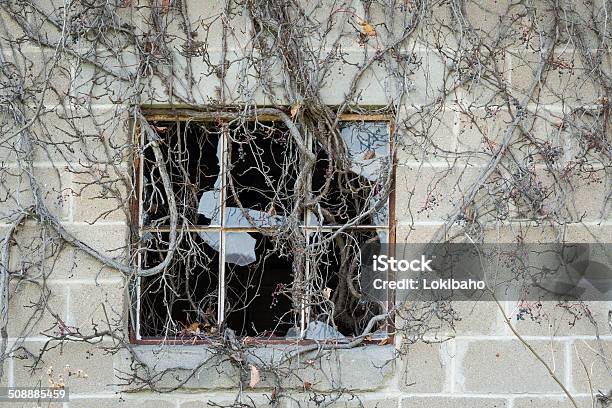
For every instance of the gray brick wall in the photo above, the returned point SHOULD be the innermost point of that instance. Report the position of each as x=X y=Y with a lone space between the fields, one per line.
x=479 y=363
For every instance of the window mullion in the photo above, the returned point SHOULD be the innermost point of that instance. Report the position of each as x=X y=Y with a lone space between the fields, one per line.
x=140 y=175
x=307 y=217
x=223 y=166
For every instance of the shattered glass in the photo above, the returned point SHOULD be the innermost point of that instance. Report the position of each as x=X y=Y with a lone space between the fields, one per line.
x=360 y=189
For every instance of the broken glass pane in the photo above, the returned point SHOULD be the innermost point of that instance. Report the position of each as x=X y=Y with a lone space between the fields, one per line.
x=239 y=247
x=368 y=146
x=359 y=190
x=336 y=262
x=191 y=156
x=262 y=173
x=183 y=300
x=316 y=330
x=258 y=300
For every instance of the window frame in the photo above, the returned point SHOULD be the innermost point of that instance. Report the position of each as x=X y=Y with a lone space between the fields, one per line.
x=187 y=115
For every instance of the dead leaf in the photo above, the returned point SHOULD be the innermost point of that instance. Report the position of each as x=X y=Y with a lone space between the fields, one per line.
x=165 y=6
x=295 y=109
x=193 y=328
x=255 y=377
x=384 y=341
x=369 y=155
x=307 y=386
x=367 y=28
x=327 y=292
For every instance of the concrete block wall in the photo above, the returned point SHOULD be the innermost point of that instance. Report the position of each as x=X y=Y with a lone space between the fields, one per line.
x=477 y=363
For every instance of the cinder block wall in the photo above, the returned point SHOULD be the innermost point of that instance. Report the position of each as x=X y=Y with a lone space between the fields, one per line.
x=479 y=363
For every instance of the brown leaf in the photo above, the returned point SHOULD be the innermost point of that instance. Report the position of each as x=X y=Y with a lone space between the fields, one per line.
x=255 y=377
x=236 y=357
x=165 y=6
x=295 y=109
x=193 y=328
x=307 y=386
x=367 y=28
x=384 y=341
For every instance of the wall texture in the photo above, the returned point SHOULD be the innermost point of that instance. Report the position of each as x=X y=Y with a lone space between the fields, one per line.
x=474 y=361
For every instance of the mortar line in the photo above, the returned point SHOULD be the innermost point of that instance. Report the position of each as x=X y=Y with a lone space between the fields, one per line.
x=483 y=337
x=568 y=365
x=85 y=281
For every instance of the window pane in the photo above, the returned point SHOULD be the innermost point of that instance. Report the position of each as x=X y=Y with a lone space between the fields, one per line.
x=262 y=173
x=258 y=285
x=183 y=300
x=339 y=306
x=345 y=196
x=192 y=158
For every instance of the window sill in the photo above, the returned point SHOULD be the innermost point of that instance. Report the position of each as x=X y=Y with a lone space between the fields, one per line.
x=366 y=367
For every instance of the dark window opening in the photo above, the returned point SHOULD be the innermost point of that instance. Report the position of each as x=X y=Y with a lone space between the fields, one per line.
x=257 y=299
x=186 y=292
x=347 y=194
x=338 y=268
x=229 y=180
x=261 y=174
x=191 y=158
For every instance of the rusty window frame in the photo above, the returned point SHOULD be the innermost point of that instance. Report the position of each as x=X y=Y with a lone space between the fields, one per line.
x=185 y=115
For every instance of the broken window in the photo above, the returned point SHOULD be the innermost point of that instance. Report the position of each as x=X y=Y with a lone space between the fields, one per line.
x=356 y=190
x=234 y=184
